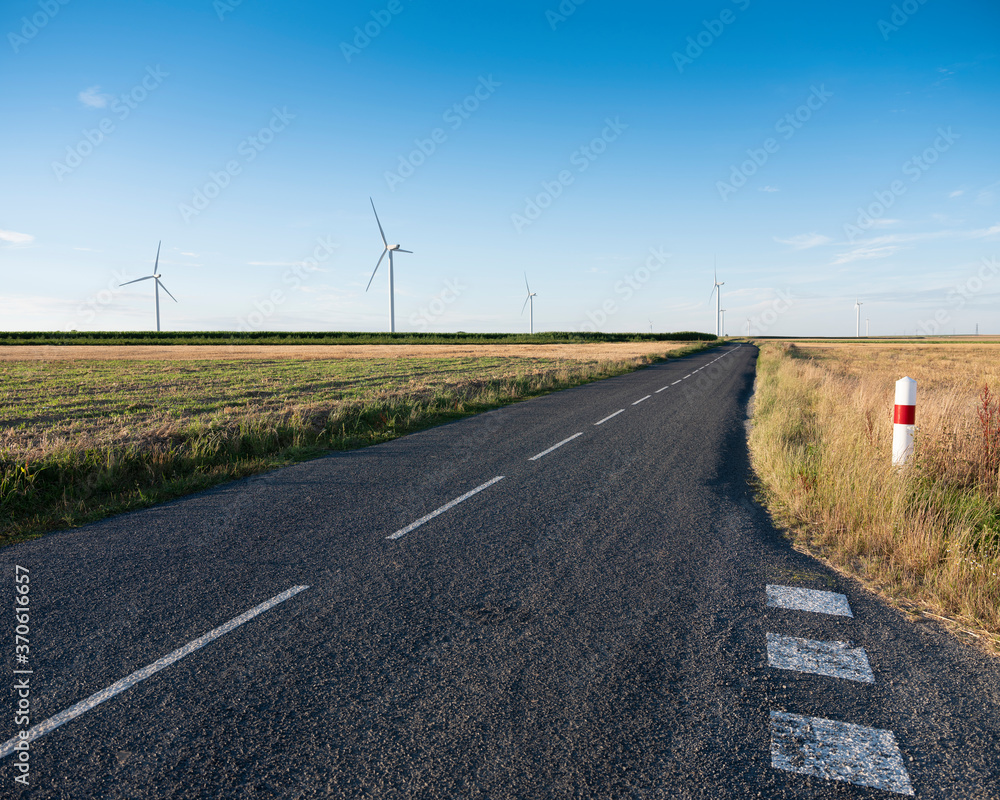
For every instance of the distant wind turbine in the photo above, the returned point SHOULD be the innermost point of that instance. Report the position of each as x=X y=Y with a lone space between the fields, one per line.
x=748 y=326
x=718 y=298
x=157 y=283
x=723 y=323
x=390 y=249
x=857 y=306
x=531 y=305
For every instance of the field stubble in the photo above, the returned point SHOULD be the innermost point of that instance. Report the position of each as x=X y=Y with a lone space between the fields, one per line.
x=84 y=435
x=927 y=535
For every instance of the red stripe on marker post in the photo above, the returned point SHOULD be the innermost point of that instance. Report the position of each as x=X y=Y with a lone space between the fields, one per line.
x=905 y=415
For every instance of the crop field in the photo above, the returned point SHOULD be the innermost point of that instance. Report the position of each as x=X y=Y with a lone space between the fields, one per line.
x=90 y=431
x=926 y=535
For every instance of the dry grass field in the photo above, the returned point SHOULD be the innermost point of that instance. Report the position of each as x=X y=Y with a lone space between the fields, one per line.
x=927 y=535
x=89 y=431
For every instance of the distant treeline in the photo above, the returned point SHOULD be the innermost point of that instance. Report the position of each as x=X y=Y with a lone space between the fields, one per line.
x=124 y=338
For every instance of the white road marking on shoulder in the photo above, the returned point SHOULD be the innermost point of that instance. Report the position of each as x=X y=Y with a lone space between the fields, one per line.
x=660 y=390
x=808 y=600
x=838 y=751
x=676 y=382
x=609 y=416
x=833 y=659
x=641 y=399
x=414 y=525
x=129 y=681
x=546 y=452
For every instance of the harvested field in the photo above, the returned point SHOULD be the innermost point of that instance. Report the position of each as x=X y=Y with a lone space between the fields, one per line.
x=587 y=352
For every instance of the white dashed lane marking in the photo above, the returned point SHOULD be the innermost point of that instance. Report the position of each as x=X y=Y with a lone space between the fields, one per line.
x=661 y=389
x=838 y=751
x=414 y=525
x=641 y=399
x=833 y=659
x=129 y=681
x=555 y=446
x=609 y=416
x=676 y=382
x=808 y=600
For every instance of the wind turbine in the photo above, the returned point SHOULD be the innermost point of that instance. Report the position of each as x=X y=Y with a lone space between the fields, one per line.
x=718 y=297
x=857 y=306
x=157 y=282
x=389 y=248
x=723 y=323
x=529 y=302
x=748 y=326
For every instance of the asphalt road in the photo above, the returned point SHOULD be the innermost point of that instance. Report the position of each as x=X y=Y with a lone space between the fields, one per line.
x=595 y=621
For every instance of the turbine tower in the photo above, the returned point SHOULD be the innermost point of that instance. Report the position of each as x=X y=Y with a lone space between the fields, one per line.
x=718 y=298
x=531 y=304
x=723 y=323
x=857 y=307
x=390 y=249
x=157 y=284
x=748 y=326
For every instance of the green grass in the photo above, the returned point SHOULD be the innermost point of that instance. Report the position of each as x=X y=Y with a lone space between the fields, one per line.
x=81 y=440
x=133 y=338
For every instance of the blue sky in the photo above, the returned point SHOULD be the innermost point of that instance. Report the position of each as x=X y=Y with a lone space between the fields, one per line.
x=610 y=151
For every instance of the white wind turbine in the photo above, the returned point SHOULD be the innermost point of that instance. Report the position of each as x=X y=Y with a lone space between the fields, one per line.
x=531 y=304
x=718 y=298
x=390 y=249
x=157 y=283
x=857 y=307
x=722 y=325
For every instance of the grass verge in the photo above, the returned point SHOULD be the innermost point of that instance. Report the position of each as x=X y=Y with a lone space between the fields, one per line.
x=83 y=440
x=926 y=536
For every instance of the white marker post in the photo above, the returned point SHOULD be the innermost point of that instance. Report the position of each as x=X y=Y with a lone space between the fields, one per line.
x=903 y=418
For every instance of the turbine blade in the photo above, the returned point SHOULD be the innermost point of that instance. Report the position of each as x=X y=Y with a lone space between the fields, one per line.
x=714 y=290
x=400 y=250
x=157 y=262
x=376 y=269
x=166 y=289
x=146 y=278
x=382 y=232
x=526 y=283
x=526 y=299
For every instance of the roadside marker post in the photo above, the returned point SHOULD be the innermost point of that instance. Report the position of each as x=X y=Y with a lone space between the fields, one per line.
x=904 y=419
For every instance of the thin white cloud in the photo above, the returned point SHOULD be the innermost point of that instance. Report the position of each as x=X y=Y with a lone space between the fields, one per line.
x=768 y=189
x=956 y=193
x=92 y=97
x=866 y=253
x=192 y=255
x=13 y=237
x=804 y=241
